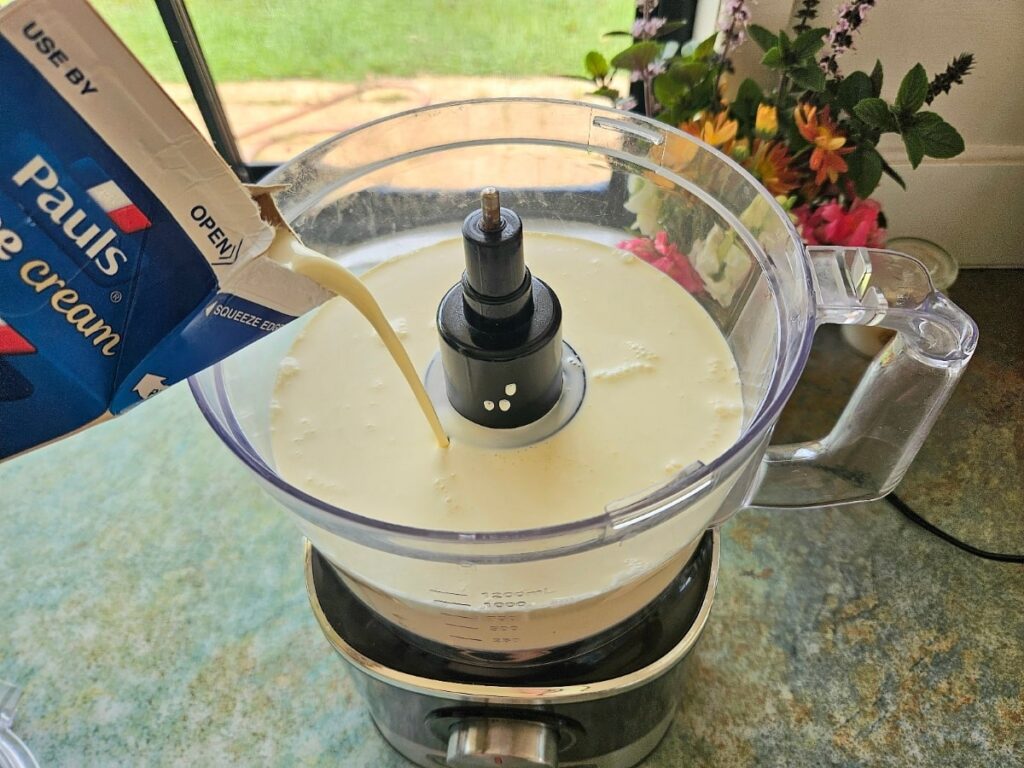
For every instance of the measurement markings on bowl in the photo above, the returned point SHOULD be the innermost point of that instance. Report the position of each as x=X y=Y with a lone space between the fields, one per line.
x=461 y=626
x=501 y=628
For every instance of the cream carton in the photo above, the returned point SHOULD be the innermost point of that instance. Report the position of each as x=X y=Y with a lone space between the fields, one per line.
x=130 y=254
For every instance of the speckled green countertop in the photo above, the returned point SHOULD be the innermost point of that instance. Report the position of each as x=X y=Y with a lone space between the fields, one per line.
x=153 y=607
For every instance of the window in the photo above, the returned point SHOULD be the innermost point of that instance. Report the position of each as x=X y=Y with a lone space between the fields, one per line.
x=291 y=73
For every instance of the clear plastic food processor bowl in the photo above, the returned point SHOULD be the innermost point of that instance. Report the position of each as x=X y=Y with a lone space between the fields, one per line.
x=391 y=186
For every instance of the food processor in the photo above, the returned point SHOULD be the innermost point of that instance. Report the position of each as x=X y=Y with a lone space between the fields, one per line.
x=13 y=752
x=565 y=645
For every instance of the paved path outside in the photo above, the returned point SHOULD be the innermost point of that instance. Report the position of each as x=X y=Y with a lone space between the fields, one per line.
x=275 y=120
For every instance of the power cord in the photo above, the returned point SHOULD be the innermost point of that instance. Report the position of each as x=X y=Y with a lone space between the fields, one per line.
x=908 y=512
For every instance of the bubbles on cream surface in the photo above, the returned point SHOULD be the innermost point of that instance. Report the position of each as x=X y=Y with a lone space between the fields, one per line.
x=662 y=393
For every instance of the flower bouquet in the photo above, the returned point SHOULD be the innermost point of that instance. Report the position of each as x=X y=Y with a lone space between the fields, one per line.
x=811 y=139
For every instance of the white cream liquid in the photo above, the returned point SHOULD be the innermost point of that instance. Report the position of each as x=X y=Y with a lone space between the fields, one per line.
x=662 y=392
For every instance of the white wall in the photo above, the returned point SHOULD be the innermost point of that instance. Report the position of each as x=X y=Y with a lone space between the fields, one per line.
x=972 y=205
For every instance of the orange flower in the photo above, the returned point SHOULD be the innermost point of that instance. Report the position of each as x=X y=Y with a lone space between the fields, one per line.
x=679 y=153
x=771 y=164
x=716 y=130
x=822 y=131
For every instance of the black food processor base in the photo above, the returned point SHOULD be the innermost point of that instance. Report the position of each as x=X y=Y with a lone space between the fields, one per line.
x=602 y=704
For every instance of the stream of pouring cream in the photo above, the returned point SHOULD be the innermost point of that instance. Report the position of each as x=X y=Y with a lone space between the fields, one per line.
x=287 y=250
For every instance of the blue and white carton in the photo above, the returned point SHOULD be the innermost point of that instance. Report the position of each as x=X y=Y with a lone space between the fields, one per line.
x=130 y=254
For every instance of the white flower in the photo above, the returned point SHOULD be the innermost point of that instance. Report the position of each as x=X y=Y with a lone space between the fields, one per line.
x=757 y=215
x=722 y=264
x=626 y=104
x=645 y=201
x=764 y=222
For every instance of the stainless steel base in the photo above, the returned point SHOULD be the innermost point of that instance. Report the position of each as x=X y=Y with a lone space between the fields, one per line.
x=629 y=755
x=605 y=723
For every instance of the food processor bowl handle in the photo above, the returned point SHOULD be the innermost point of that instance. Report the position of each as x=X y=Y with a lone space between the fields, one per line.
x=902 y=393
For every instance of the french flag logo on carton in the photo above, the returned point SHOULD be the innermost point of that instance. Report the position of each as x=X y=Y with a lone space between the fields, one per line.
x=115 y=203
x=122 y=211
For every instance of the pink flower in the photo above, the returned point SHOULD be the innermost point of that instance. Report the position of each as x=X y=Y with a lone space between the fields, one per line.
x=833 y=224
x=663 y=255
x=649 y=72
x=645 y=29
x=733 y=11
x=733 y=21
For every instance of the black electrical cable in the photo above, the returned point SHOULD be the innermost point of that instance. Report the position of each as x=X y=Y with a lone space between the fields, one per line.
x=906 y=510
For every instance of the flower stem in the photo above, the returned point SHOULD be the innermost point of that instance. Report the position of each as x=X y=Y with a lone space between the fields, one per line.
x=783 y=92
x=723 y=63
x=648 y=91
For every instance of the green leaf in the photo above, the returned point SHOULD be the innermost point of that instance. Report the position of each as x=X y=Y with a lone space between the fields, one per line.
x=744 y=107
x=706 y=48
x=688 y=72
x=810 y=42
x=875 y=113
x=637 y=56
x=913 y=90
x=938 y=138
x=785 y=46
x=596 y=64
x=876 y=79
x=889 y=171
x=809 y=77
x=915 y=147
x=762 y=37
x=772 y=58
x=749 y=92
x=608 y=93
x=668 y=90
x=865 y=168
x=853 y=88
x=702 y=94
x=923 y=120
x=670 y=26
